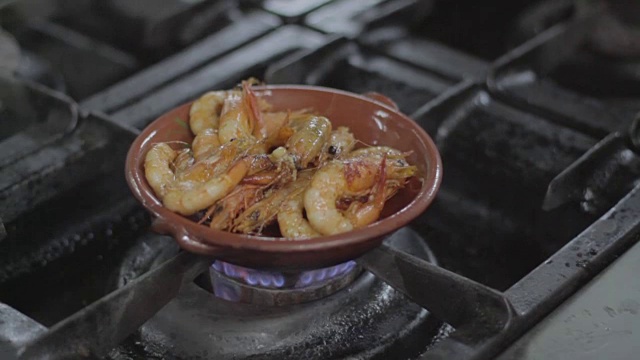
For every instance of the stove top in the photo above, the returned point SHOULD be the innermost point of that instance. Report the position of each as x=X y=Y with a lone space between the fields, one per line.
x=535 y=117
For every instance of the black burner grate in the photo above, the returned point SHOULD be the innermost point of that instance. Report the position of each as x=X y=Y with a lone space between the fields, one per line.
x=540 y=188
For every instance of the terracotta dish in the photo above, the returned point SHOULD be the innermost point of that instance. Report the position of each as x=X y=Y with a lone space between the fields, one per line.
x=374 y=120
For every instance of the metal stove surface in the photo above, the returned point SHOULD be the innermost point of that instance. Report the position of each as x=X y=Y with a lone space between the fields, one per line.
x=540 y=191
x=364 y=320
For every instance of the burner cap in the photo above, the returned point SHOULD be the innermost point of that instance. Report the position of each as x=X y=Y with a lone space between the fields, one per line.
x=240 y=284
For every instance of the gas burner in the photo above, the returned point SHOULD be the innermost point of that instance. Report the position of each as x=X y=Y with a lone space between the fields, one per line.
x=240 y=284
x=362 y=318
x=608 y=64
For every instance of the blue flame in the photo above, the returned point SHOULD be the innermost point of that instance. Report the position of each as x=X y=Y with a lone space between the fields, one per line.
x=315 y=276
x=277 y=280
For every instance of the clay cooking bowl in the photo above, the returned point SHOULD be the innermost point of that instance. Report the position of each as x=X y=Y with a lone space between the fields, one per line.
x=373 y=119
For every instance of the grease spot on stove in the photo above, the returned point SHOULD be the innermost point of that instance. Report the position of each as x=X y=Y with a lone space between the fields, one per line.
x=582 y=263
x=610 y=311
x=629 y=306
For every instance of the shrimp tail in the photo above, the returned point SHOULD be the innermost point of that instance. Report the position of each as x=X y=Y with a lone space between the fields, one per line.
x=251 y=103
x=380 y=197
x=232 y=205
x=360 y=214
x=208 y=214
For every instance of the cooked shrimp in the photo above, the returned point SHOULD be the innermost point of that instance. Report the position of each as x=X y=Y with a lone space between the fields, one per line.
x=364 y=213
x=276 y=129
x=251 y=166
x=329 y=184
x=205 y=112
x=205 y=144
x=157 y=168
x=261 y=214
x=201 y=196
x=310 y=136
x=398 y=169
x=186 y=188
x=183 y=161
x=254 y=106
x=341 y=142
x=221 y=158
x=277 y=125
x=225 y=211
x=357 y=176
x=291 y=219
x=377 y=152
x=241 y=117
x=261 y=178
x=235 y=122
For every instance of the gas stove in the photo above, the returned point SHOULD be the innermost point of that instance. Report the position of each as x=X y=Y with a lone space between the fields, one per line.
x=534 y=112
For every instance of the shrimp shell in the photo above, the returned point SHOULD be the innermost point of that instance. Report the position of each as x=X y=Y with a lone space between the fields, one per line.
x=205 y=144
x=341 y=142
x=261 y=214
x=365 y=173
x=157 y=168
x=291 y=219
x=310 y=137
x=202 y=196
x=231 y=206
x=205 y=112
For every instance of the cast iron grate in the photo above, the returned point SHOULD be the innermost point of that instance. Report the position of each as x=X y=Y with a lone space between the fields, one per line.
x=505 y=262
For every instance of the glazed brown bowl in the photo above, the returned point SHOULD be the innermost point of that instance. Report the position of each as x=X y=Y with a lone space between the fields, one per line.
x=374 y=120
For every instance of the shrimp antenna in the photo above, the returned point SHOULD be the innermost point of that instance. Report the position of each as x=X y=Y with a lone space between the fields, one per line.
x=186 y=144
x=363 y=143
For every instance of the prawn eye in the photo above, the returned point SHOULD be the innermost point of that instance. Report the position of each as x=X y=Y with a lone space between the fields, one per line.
x=333 y=150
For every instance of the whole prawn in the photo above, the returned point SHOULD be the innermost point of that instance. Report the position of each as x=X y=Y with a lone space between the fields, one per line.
x=219 y=117
x=225 y=211
x=264 y=212
x=241 y=117
x=191 y=200
x=291 y=220
x=341 y=142
x=205 y=111
x=366 y=173
x=311 y=133
x=199 y=186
